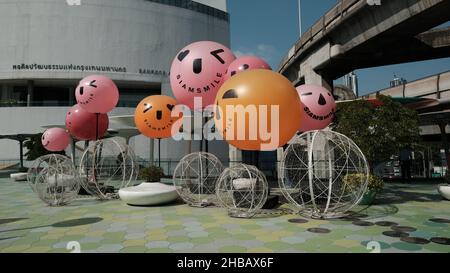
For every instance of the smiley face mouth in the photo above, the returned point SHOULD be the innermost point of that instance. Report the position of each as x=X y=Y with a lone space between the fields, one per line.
x=318 y=117
x=90 y=99
x=159 y=128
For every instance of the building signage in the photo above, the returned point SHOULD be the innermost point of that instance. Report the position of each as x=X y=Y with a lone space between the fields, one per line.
x=83 y=68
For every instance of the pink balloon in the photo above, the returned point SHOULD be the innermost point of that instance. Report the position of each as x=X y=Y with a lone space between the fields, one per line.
x=245 y=63
x=82 y=125
x=318 y=107
x=198 y=71
x=97 y=94
x=55 y=139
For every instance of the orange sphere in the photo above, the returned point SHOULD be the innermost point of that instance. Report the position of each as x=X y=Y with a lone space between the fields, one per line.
x=153 y=117
x=257 y=110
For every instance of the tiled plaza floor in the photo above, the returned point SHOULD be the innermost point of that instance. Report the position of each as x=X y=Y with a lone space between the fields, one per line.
x=417 y=213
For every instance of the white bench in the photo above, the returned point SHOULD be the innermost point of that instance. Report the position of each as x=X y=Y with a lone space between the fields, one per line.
x=444 y=190
x=148 y=194
x=18 y=176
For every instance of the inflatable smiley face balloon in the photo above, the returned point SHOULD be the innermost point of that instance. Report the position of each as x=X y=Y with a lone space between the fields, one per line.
x=55 y=139
x=97 y=94
x=318 y=107
x=257 y=110
x=246 y=63
x=82 y=125
x=198 y=71
x=153 y=117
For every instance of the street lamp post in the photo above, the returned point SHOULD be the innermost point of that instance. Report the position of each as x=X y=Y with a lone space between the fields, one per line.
x=300 y=17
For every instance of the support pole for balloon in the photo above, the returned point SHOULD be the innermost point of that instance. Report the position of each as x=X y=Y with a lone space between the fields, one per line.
x=95 y=148
x=73 y=150
x=206 y=136
x=152 y=152
x=159 y=152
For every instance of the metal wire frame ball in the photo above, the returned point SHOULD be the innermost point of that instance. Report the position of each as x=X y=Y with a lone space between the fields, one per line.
x=242 y=189
x=106 y=167
x=55 y=179
x=324 y=173
x=195 y=178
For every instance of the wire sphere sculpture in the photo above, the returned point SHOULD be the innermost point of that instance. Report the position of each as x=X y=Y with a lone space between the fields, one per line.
x=195 y=178
x=242 y=190
x=106 y=167
x=55 y=180
x=324 y=173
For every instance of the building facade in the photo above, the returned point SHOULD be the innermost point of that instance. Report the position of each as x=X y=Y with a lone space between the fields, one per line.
x=48 y=46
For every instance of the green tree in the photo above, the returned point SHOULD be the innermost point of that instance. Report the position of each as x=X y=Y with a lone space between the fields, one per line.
x=35 y=148
x=381 y=131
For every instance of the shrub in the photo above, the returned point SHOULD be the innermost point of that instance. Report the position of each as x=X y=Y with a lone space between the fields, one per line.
x=151 y=174
x=375 y=183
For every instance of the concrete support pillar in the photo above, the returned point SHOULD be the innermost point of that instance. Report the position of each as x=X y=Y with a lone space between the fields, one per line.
x=445 y=143
x=71 y=95
x=235 y=155
x=280 y=152
x=165 y=87
x=4 y=94
x=30 y=92
x=312 y=77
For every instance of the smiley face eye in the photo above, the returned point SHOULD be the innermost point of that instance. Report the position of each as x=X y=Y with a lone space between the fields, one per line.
x=233 y=73
x=329 y=94
x=183 y=55
x=81 y=90
x=92 y=84
x=197 y=66
x=216 y=53
x=306 y=94
x=147 y=107
x=170 y=107
x=230 y=94
x=245 y=66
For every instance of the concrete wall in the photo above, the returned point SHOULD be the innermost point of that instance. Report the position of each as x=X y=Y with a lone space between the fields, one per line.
x=132 y=34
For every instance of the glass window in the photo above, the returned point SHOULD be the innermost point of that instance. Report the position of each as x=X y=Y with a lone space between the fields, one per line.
x=51 y=96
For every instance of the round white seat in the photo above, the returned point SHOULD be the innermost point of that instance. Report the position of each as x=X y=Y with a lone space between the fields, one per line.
x=444 y=190
x=148 y=194
x=18 y=176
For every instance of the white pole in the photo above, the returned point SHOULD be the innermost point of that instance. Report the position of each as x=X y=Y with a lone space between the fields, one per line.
x=300 y=17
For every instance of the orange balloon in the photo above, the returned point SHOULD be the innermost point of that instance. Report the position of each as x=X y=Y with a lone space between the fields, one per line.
x=153 y=117
x=257 y=110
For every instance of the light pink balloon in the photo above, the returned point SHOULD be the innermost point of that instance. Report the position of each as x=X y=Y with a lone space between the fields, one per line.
x=198 y=71
x=245 y=63
x=97 y=94
x=55 y=139
x=318 y=107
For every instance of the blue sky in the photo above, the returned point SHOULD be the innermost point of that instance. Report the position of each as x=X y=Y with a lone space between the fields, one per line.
x=269 y=28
